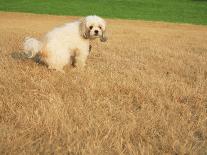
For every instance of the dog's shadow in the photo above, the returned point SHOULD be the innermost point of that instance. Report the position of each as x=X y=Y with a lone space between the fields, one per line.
x=24 y=56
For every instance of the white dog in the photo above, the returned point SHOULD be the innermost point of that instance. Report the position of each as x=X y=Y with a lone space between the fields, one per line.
x=69 y=41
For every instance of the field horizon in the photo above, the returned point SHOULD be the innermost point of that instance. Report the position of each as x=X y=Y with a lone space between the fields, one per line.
x=176 y=11
x=142 y=92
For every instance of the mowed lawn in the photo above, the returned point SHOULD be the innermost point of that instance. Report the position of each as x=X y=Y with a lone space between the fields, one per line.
x=185 y=11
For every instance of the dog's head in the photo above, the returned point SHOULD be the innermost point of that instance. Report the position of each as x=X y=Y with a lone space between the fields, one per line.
x=92 y=27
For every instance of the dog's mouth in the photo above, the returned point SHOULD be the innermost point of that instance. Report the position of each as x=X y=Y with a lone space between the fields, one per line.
x=94 y=36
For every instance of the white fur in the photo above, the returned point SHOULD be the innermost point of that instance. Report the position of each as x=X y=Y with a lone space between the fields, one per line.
x=32 y=45
x=72 y=39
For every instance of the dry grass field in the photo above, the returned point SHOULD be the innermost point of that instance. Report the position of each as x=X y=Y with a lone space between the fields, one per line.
x=142 y=92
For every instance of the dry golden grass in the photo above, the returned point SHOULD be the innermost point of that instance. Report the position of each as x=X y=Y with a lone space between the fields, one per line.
x=142 y=92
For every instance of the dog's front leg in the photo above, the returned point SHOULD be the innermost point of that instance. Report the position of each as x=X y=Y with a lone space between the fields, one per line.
x=80 y=58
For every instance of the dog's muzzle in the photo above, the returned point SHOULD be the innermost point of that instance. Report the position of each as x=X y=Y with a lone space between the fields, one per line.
x=96 y=32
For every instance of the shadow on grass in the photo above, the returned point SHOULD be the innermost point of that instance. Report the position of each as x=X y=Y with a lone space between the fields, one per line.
x=24 y=56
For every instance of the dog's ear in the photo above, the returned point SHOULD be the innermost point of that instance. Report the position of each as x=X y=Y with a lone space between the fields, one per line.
x=103 y=37
x=83 y=29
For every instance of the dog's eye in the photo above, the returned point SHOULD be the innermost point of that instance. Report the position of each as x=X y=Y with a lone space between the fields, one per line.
x=90 y=27
x=100 y=27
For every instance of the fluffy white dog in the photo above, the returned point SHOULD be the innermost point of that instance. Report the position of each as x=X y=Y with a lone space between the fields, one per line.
x=68 y=44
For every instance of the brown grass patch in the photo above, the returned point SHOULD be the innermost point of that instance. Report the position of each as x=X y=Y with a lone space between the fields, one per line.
x=142 y=92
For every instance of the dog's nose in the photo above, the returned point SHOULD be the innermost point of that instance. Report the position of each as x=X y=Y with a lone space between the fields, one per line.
x=96 y=31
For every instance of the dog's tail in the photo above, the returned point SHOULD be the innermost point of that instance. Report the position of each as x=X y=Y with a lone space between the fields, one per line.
x=32 y=47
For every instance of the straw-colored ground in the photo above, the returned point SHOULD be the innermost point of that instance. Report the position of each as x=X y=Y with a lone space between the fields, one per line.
x=142 y=92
